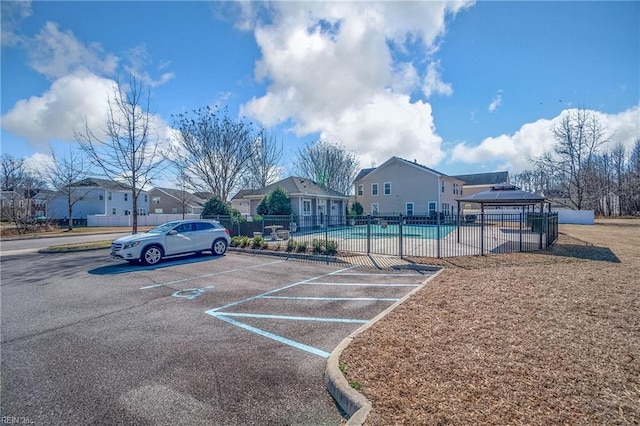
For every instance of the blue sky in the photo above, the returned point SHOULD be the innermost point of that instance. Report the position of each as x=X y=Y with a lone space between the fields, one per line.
x=460 y=87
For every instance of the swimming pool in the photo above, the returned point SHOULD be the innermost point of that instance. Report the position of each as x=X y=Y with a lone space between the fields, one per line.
x=429 y=232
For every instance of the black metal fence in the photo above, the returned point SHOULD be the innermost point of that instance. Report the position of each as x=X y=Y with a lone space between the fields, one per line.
x=398 y=235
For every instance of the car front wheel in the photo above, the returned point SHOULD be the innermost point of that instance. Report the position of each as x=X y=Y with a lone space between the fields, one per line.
x=151 y=255
x=219 y=247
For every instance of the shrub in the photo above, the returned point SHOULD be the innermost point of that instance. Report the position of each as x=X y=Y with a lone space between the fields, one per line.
x=331 y=248
x=291 y=245
x=302 y=247
x=215 y=206
x=259 y=243
x=317 y=246
x=244 y=241
x=236 y=241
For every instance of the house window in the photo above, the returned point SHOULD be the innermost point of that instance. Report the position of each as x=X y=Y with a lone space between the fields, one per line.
x=109 y=196
x=142 y=212
x=442 y=187
x=374 y=209
x=409 y=209
x=100 y=197
x=174 y=210
x=455 y=188
x=374 y=189
x=126 y=196
x=113 y=210
x=432 y=207
x=158 y=211
x=360 y=190
x=146 y=198
x=127 y=212
x=155 y=200
x=387 y=188
x=445 y=208
x=306 y=207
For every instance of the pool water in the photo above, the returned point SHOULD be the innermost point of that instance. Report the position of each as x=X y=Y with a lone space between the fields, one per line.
x=392 y=231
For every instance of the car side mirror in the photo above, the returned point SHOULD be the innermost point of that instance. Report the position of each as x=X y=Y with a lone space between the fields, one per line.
x=173 y=232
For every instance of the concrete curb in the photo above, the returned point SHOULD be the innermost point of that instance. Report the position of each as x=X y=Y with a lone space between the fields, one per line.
x=356 y=405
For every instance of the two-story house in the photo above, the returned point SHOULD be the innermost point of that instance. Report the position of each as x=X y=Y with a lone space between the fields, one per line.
x=97 y=197
x=174 y=201
x=406 y=187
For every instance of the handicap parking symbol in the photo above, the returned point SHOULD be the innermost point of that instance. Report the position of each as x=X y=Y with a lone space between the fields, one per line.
x=191 y=293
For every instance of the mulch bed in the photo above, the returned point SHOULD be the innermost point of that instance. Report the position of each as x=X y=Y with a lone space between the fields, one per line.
x=531 y=338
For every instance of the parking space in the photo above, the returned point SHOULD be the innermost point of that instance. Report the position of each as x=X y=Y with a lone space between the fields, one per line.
x=217 y=340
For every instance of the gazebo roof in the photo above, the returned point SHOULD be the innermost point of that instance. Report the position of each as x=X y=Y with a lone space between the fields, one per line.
x=504 y=195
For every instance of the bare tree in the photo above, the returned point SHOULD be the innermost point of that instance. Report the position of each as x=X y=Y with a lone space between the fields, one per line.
x=328 y=164
x=263 y=167
x=18 y=186
x=13 y=172
x=63 y=172
x=212 y=149
x=578 y=137
x=129 y=153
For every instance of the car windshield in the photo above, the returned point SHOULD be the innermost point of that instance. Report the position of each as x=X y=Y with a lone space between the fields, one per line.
x=165 y=227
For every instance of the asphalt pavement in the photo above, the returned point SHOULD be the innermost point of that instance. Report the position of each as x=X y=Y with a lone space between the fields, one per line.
x=236 y=339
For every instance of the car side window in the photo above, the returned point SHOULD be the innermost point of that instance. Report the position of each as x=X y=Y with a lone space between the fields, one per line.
x=204 y=226
x=182 y=228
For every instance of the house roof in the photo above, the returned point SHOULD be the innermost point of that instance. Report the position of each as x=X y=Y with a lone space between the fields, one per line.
x=494 y=178
x=294 y=185
x=365 y=172
x=102 y=183
x=503 y=195
x=180 y=195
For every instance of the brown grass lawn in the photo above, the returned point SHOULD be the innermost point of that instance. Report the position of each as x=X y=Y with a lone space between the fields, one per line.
x=529 y=338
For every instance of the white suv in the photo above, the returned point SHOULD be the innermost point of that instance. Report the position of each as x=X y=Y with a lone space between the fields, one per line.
x=172 y=239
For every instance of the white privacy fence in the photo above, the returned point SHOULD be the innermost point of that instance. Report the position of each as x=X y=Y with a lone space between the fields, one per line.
x=146 y=220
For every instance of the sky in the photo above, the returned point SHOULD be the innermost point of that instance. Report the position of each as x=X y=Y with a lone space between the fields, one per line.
x=461 y=87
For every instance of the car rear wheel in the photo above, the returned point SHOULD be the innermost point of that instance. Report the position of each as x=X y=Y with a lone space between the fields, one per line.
x=151 y=255
x=219 y=247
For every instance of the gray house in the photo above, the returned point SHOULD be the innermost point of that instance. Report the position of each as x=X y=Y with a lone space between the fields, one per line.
x=309 y=199
x=174 y=201
x=478 y=182
x=97 y=197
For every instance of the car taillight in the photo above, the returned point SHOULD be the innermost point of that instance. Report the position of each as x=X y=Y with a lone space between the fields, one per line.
x=227 y=231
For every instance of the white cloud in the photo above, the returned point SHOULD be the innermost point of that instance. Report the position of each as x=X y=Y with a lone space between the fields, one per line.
x=56 y=53
x=533 y=139
x=61 y=110
x=12 y=13
x=330 y=70
x=433 y=84
x=496 y=101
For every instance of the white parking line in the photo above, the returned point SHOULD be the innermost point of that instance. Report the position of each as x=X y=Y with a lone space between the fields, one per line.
x=210 y=275
x=348 y=299
x=286 y=317
x=365 y=284
x=227 y=316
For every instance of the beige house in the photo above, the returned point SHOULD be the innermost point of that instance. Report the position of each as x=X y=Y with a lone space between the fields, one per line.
x=402 y=186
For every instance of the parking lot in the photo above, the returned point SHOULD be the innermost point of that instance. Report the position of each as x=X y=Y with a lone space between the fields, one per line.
x=237 y=339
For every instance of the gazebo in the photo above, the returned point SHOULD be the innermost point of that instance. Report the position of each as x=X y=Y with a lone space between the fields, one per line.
x=512 y=196
x=505 y=195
